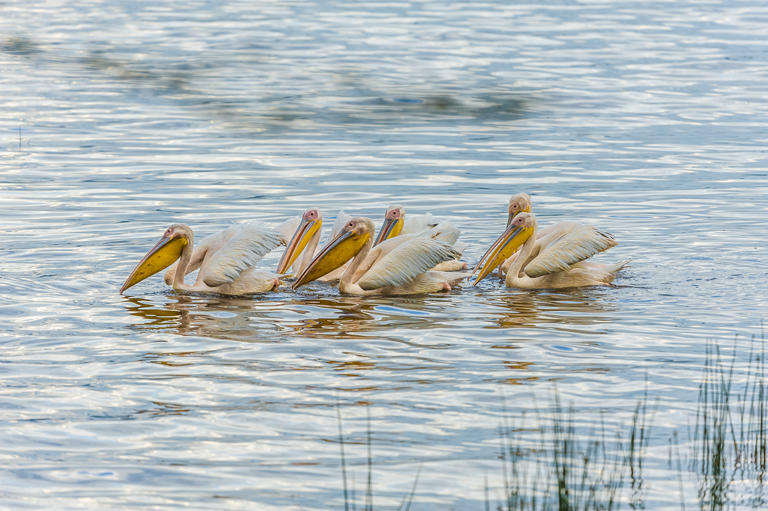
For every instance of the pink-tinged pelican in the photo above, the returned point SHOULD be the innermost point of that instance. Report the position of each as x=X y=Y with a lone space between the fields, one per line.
x=556 y=260
x=402 y=271
x=304 y=235
x=521 y=203
x=305 y=240
x=396 y=223
x=225 y=260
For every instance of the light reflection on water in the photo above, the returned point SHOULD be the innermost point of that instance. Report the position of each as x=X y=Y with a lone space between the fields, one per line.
x=647 y=120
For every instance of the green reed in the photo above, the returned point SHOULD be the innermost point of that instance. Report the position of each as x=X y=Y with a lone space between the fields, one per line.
x=550 y=464
x=561 y=471
x=729 y=439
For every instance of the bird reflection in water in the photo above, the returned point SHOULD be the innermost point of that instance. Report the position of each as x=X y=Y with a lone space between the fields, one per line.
x=569 y=308
x=219 y=318
x=254 y=320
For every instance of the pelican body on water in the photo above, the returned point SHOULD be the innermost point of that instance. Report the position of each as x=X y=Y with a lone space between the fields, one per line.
x=413 y=255
x=403 y=270
x=554 y=260
x=226 y=260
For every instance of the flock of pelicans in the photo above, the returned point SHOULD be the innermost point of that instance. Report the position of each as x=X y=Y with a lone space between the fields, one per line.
x=409 y=256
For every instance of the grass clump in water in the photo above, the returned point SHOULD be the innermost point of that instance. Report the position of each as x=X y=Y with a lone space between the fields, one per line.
x=558 y=471
x=729 y=440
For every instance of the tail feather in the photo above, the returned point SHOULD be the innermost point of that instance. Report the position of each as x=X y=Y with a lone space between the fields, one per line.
x=460 y=247
x=613 y=270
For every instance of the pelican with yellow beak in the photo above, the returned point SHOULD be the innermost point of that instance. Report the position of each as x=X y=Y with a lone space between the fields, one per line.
x=521 y=203
x=556 y=260
x=396 y=223
x=304 y=240
x=402 y=271
x=226 y=260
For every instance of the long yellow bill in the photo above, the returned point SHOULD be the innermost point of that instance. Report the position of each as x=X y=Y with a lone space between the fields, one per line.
x=298 y=243
x=509 y=221
x=390 y=229
x=506 y=245
x=339 y=250
x=162 y=255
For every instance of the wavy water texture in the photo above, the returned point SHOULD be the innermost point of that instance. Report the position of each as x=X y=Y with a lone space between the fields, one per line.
x=121 y=118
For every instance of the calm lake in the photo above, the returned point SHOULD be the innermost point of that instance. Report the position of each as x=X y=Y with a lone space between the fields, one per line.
x=120 y=118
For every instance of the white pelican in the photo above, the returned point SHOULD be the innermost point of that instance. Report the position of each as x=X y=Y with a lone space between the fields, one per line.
x=305 y=239
x=396 y=223
x=225 y=260
x=404 y=270
x=555 y=260
x=521 y=203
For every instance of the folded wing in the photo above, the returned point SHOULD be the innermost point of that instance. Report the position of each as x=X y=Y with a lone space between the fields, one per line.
x=566 y=248
x=242 y=246
x=415 y=224
x=405 y=262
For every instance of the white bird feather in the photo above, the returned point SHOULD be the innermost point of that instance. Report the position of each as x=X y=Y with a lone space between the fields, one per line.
x=406 y=262
x=565 y=249
x=415 y=224
x=242 y=246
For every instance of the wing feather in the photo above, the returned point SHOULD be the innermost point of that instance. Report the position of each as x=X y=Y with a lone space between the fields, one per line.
x=244 y=246
x=341 y=219
x=579 y=243
x=405 y=262
x=414 y=224
x=446 y=232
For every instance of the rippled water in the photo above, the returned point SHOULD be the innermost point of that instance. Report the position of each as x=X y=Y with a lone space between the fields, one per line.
x=119 y=119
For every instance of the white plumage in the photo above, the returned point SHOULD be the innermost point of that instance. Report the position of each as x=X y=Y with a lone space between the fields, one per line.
x=415 y=224
x=405 y=262
x=558 y=251
x=558 y=259
x=228 y=256
x=400 y=265
x=240 y=247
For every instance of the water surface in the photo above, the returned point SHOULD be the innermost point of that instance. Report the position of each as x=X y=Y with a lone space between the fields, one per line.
x=119 y=119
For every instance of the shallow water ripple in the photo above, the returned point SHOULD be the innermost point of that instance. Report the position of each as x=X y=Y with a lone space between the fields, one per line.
x=122 y=118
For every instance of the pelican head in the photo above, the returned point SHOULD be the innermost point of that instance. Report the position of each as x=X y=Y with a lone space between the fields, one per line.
x=520 y=203
x=519 y=230
x=311 y=222
x=162 y=255
x=350 y=240
x=394 y=219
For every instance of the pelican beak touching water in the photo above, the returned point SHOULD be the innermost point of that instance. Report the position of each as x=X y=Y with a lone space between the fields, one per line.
x=347 y=243
x=311 y=222
x=520 y=203
x=506 y=245
x=394 y=219
x=162 y=255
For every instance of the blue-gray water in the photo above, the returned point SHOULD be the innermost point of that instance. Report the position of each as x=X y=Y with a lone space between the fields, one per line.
x=120 y=118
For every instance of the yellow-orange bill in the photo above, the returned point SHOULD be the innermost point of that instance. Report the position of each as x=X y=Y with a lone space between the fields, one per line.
x=390 y=229
x=338 y=251
x=298 y=243
x=503 y=248
x=162 y=255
